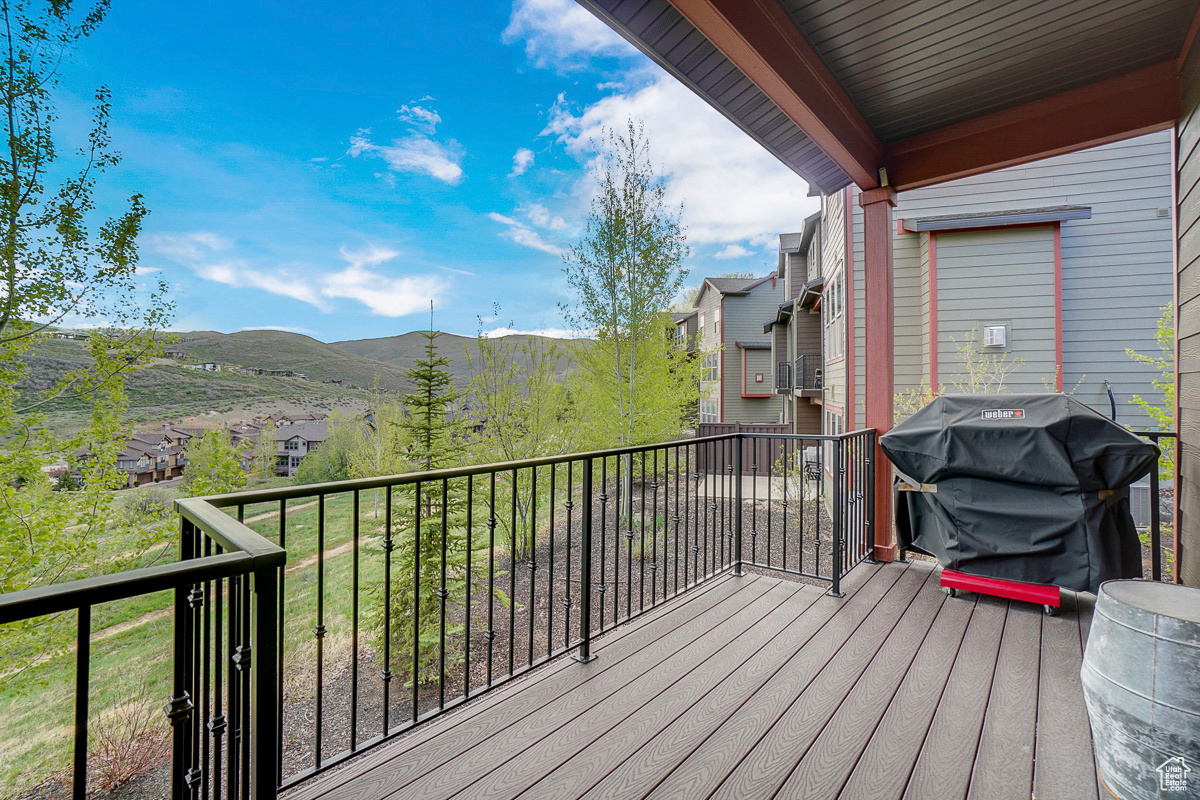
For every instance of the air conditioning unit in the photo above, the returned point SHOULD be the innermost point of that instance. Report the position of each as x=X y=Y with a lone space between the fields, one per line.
x=994 y=336
x=1139 y=502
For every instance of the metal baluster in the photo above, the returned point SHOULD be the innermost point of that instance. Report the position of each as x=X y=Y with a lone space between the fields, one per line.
x=83 y=643
x=570 y=504
x=738 y=508
x=233 y=715
x=533 y=565
x=675 y=520
x=839 y=521
x=217 y=725
x=443 y=595
x=490 y=634
x=550 y=569
x=628 y=520
x=603 y=537
x=389 y=545
x=467 y=589
x=243 y=665
x=754 y=506
x=585 y=567
x=1155 y=523
x=512 y=574
x=654 y=533
x=354 y=580
x=869 y=469
x=642 y=539
x=319 y=628
x=282 y=635
x=205 y=713
x=417 y=588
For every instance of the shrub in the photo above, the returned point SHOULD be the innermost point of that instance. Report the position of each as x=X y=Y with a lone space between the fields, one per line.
x=126 y=741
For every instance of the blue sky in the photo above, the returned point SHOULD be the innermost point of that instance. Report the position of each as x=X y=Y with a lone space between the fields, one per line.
x=330 y=167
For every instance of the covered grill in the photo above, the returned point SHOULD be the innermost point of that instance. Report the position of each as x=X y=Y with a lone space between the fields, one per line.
x=1027 y=487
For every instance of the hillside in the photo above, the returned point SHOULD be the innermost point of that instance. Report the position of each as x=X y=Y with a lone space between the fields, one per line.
x=401 y=351
x=166 y=391
x=282 y=350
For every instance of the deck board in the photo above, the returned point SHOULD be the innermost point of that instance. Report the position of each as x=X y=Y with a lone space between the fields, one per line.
x=758 y=687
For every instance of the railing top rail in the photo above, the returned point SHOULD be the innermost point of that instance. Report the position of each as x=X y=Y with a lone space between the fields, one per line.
x=404 y=479
x=231 y=534
x=1158 y=434
x=815 y=437
x=69 y=595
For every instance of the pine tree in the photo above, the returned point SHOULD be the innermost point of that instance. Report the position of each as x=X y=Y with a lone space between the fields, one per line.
x=430 y=542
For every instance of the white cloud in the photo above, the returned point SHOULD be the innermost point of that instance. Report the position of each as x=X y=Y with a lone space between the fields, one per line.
x=283 y=328
x=541 y=217
x=236 y=273
x=361 y=281
x=382 y=294
x=414 y=153
x=522 y=160
x=522 y=234
x=457 y=271
x=148 y=270
x=553 y=333
x=562 y=34
x=732 y=251
x=733 y=190
x=419 y=117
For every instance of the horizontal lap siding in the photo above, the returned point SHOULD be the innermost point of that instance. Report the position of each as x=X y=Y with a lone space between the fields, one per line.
x=744 y=318
x=1188 y=331
x=997 y=277
x=833 y=255
x=911 y=284
x=1116 y=265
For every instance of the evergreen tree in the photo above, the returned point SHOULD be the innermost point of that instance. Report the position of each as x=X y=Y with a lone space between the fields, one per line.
x=430 y=519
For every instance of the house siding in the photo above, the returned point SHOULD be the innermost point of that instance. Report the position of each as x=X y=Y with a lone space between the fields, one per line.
x=1115 y=266
x=833 y=257
x=1187 y=210
x=743 y=320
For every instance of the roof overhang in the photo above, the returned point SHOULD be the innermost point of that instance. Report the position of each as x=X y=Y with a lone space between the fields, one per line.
x=753 y=345
x=996 y=219
x=917 y=93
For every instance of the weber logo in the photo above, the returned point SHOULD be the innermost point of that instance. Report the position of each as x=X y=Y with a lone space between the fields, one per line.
x=1004 y=413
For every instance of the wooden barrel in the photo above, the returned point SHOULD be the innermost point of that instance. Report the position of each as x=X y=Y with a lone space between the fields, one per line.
x=1141 y=681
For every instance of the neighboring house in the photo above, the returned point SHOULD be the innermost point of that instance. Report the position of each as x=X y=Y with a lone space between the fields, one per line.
x=155 y=455
x=796 y=331
x=207 y=366
x=294 y=440
x=737 y=382
x=686 y=329
x=1062 y=264
x=281 y=419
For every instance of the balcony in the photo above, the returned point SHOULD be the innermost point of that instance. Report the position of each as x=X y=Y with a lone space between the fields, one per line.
x=696 y=618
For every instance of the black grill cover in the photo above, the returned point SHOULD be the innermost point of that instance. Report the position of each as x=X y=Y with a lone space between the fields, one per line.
x=1030 y=487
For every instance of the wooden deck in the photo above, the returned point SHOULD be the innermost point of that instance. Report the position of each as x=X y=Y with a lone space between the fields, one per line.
x=755 y=687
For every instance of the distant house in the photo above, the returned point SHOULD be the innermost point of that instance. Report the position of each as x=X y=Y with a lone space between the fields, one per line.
x=173 y=353
x=737 y=382
x=207 y=366
x=283 y=419
x=154 y=456
x=295 y=440
x=74 y=335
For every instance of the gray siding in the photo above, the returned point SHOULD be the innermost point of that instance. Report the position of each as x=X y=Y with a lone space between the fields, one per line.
x=910 y=280
x=1187 y=194
x=743 y=321
x=833 y=256
x=1116 y=266
x=1005 y=277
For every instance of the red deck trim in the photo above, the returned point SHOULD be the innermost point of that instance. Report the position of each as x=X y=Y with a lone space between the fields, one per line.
x=1013 y=590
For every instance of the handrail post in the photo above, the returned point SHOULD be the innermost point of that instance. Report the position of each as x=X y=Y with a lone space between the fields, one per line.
x=839 y=513
x=179 y=706
x=737 y=501
x=584 y=654
x=265 y=735
x=1155 y=520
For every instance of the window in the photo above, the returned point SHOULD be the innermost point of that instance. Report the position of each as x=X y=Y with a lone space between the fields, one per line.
x=711 y=370
x=700 y=320
x=833 y=304
x=716 y=321
x=291 y=444
x=295 y=461
x=710 y=411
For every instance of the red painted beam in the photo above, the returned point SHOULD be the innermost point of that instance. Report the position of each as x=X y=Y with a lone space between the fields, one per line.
x=1118 y=108
x=879 y=326
x=761 y=40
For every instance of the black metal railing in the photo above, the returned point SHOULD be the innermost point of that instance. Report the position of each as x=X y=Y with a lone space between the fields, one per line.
x=783 y=376
x=406 y=596
x=222 y=710
x=810 y=373
x=1162 y=549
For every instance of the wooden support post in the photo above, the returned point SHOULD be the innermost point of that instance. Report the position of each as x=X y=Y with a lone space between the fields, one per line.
x=879 y=324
